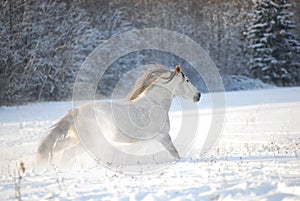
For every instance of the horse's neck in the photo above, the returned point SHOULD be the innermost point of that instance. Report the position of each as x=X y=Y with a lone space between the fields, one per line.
x=158 y=95
x=147 y=106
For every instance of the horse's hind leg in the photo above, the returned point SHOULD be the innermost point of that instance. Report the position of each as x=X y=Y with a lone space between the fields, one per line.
x=166 y=141
x=65 y=144
x=65 y=152
x=69 y=141
x=68 y=154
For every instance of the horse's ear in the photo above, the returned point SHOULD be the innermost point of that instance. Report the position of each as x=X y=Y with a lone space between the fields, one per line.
x=177 y=68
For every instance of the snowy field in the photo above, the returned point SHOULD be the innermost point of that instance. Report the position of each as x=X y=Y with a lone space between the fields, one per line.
x=256 y=158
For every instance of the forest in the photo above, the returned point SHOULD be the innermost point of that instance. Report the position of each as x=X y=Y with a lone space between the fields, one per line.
x=44 y=43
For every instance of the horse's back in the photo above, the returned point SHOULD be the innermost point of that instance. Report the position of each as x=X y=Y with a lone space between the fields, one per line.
x=102 y=118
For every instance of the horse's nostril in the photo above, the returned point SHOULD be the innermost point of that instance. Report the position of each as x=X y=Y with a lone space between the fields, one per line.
x=197 y=97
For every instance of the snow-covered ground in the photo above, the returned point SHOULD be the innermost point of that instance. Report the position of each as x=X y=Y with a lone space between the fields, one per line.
x=256 y=158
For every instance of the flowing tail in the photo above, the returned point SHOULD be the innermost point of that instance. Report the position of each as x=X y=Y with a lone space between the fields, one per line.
x=57 y=134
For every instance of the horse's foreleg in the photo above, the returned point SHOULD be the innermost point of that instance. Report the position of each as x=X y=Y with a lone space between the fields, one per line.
x=166 y=141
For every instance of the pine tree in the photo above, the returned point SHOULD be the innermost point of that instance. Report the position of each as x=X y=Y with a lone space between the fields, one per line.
x=275 y=50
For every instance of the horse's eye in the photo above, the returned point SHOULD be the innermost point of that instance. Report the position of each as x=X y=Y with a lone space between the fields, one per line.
x=187 y=80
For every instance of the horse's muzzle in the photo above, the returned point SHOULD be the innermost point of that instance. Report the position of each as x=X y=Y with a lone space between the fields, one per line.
x=197 y=97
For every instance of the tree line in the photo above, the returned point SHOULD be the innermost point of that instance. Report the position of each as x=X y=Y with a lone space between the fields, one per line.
x=44 y=43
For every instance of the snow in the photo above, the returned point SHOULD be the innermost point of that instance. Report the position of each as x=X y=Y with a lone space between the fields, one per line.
x=260 y=25
x=256 y=158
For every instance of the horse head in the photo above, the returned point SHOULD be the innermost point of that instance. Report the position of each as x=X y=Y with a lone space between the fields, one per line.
x=181 y=86
x=173 y=80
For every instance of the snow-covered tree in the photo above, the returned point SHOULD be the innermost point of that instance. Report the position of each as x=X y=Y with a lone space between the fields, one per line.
x=275 y=50
x=43 y=43
x=42 y=46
